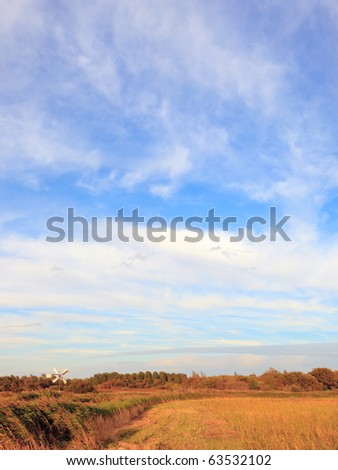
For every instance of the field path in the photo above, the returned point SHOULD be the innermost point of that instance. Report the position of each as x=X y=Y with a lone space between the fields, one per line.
x=235 y=423
x=176 y=425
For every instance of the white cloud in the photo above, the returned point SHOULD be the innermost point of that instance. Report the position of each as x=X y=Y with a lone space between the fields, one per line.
x=31 y=144
x=170 y=166
x=98 y=277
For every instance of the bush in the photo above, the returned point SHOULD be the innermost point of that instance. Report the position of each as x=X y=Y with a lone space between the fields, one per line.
x=80 y=386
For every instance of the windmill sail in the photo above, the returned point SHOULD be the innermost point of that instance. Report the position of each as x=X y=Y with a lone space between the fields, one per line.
x=59 y=376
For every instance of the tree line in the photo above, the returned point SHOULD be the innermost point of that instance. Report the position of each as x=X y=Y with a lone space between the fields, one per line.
x=320 y=378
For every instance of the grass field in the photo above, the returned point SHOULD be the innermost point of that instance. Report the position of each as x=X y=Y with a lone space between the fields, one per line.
x=236 y=423
x=163 y=420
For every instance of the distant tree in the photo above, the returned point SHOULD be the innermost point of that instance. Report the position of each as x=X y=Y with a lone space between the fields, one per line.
x=326 y=377
x=80 y=386
x=148 y=376
x=297 y=381
x=253 y=382
x=140 y=377
x=195 y=380
x=163 y=377
x=272 y=379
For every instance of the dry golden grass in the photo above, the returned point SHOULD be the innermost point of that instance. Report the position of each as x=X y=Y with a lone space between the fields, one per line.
x=235 y=422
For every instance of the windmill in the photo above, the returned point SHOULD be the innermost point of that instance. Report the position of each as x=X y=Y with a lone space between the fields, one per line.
x=59 y=376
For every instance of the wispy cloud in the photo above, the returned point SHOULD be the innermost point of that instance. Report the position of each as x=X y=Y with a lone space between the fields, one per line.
x=135 y=71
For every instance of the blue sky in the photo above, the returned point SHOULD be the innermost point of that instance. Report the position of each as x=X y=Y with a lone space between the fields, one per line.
x=175 y=109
